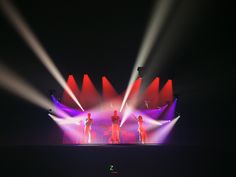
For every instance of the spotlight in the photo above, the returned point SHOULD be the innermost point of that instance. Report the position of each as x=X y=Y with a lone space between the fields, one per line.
x=140 y=71
x=50 y=111
x=177 y=114
x=52 y=92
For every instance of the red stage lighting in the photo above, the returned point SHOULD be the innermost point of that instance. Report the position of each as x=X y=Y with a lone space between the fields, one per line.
x=108 y=90
x=166 y=93
x=151 y=94
x=66 y=99
x=89 y=96
x=135 y=88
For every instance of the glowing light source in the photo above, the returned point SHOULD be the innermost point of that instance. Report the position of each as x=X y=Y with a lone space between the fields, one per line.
x=108 y=90
x=59 y=106
x=131 y=91
x=169 y=114
x=166 y=93
x=70 y=129
x=155 y=113
x=67 y=120
x=127 y=113
x=66 y=99
x=151 y=94
x=89 y=96
x=161 y=134
x=135 y=88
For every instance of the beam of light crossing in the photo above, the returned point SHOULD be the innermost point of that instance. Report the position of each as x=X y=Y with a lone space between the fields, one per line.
x=11 y=82
x=67 y=120
x=24 y=30
x=89 y=95
x=154 y=27
x=149 y=121
x=161 y=134
x=69 y=127
x=128 y=111
x=66 y=98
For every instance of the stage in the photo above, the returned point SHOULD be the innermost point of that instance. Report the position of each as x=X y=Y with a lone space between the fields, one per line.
x=114 y=160
x=57 y=67
x=147 y=117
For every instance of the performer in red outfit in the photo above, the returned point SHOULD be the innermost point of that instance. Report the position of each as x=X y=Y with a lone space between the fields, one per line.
x=87 y=129
x=141 y=130
x=115 y=136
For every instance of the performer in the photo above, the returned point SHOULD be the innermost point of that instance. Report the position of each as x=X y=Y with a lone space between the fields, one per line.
x=87 y=128
x=146 y=104
x=141 y=130
x=115 y=135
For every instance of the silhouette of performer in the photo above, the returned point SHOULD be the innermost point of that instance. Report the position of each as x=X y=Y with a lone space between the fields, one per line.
x=87 y=128
x=115 y=135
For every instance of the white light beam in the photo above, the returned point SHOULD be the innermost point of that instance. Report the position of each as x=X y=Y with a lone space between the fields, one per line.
x=32 y=41
x=154 y=27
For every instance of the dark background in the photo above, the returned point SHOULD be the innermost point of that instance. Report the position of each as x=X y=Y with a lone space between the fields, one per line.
x=196 y=49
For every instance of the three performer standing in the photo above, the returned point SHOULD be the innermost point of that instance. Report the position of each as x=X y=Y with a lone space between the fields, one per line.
x=115 y=129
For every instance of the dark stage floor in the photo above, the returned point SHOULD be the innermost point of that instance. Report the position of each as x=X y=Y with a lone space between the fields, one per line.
x=114 y=160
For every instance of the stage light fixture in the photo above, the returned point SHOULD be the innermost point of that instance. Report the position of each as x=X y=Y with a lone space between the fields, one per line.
x=140 y=71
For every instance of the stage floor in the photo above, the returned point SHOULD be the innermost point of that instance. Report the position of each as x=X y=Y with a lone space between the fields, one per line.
x=114 y=160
